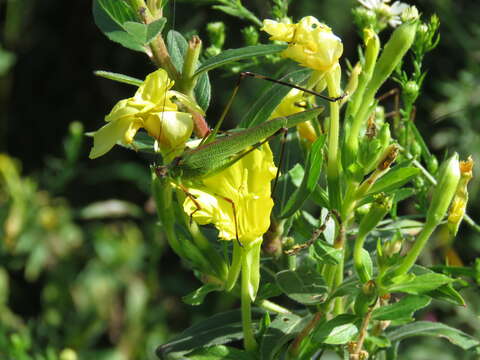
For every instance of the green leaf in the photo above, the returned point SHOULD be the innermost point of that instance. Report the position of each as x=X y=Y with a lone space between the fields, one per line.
x=231 y=55
x=418 y=284
x=177 y=47
x=144 y=33
x=110 y=16
x=261 y=109
x=283 y=329
x=326 y=253
x=219 y=352
x=340 y=330
x=449 y=294
x=216 y=330
x=310 y=179
x=402 y=309
x=304 y=285
x=427 y=328
x=367 y=264
x=118 y=77
x=396 y=177
x=203 y=91
x=196 y=297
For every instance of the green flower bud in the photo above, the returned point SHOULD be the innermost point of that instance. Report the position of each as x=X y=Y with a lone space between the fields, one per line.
x=363 y=18
x=416 y=150
x=216 y=34
x=411 y=91
x=448 y=178
x=250 y=35
x=432 y=164
x=393 y=246
x=379 y=208
x=399 y=43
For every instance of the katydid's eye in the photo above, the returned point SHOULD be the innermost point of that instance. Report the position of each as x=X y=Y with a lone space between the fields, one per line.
x=314 y=26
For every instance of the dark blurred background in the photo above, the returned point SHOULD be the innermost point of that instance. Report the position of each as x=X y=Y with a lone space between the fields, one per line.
x=49 y=50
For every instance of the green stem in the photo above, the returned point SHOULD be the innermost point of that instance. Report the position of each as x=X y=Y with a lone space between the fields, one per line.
x=248 y=336
x=333 y=170
x=414 y=252
x=271 y=306
x=357 y=258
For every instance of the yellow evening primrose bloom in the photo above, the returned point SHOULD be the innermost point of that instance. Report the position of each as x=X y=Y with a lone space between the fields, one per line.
x=293 y=103
x=152 y=109
x=246 y=184
x=311 y=43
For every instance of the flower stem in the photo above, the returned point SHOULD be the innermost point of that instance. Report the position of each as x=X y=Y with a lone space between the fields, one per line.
x=248 y=336
x=333 y=170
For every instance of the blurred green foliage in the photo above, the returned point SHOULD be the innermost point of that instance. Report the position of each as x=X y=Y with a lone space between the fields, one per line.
x=83 y=271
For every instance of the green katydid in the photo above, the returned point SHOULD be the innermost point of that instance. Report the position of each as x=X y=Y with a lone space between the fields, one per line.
x=213 y=156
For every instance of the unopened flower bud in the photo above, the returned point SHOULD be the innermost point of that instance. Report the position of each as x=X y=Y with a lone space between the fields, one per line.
x=396 y=47
x=448 y=178
x=216 y=34
x=411 y=91
x=410 y=14
x=250 y=35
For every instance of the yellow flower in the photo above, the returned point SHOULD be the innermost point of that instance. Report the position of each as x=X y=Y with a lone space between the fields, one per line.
x=246 y=186
x=291 y=104
x=150 y=108
x=311 y=43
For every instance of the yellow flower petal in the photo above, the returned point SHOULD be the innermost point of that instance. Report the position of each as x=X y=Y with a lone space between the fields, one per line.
x=108 y=135
x=279 y=31
x=245 y=185
x=142 y=111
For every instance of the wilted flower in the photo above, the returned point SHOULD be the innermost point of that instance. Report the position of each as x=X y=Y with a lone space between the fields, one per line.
x=459 y=203
x=311 y=43
x=150 y=108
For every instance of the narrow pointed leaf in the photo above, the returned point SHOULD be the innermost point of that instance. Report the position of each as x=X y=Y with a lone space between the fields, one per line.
x=110 y=16
x=419 y=284
x=395 y=178
x=219 y=352
x=118 y=77
x=310 y=179
x=217 y=330
x=196 y=297
x=403 y=309
x=283 y=329
x=232 y=55
x=339 y=330
x=435 y=329
x=303 y=285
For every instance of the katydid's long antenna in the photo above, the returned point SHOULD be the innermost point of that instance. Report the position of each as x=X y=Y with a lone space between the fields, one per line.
x=214 y=132
x=258 y=76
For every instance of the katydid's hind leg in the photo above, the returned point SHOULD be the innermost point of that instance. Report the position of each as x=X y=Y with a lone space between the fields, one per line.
x=315 y=235
x=194 y=200
x=396 y=102
x=230 y=201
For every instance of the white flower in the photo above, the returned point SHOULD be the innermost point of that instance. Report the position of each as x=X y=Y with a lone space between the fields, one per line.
x=385 y=11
